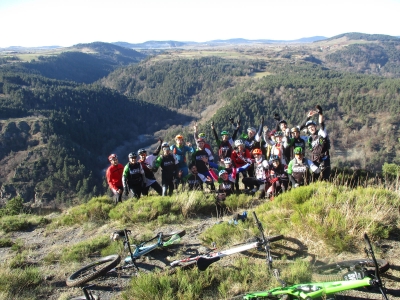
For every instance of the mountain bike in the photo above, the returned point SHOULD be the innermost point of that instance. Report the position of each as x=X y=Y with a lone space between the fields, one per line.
x=203 y=261
x=109 y=263
x=349 y=275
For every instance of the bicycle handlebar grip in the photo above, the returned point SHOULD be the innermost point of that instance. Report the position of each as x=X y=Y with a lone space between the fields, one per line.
x=203 y=263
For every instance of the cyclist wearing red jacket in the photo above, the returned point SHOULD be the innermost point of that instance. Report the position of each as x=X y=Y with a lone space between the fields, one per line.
x=240 y=157
x=114 y=178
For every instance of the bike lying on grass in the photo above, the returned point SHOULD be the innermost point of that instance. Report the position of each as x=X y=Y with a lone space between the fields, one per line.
x=359 y=273
x=204 y=260
x=109 y=263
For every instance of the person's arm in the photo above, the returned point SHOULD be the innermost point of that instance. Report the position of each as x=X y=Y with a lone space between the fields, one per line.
x=213 y=175
x=125 y=176
x=215 y=134
x=258 y=134
x=158 y=149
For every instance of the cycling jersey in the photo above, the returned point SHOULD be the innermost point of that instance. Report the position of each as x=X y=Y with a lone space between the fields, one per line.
x=300 y=170
x=133 y=174
x=114 y=177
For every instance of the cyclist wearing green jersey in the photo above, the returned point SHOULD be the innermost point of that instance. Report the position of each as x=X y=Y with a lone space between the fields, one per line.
x=133 y=176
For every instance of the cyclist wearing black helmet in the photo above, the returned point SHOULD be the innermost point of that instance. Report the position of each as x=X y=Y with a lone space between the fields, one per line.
x=301 y=169
x=133 y=176
x=147 y=162
x=318 y=142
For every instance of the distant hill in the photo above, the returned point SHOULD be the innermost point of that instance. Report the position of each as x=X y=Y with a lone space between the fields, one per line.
x=237 y=41
x=365 y=36
x=83 y=63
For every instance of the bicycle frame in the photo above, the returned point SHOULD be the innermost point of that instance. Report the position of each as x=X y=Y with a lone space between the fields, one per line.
x=141 y=250
x=204 y=260
x=352 y=280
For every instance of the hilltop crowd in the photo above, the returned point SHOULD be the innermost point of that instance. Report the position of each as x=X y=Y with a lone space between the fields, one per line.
x=268 y=161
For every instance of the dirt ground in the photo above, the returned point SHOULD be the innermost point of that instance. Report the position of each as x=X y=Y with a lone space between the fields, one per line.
x=40 y=242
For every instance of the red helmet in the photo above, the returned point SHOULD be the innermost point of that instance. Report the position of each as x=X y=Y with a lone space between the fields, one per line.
x=112 y=156
x=257 y=151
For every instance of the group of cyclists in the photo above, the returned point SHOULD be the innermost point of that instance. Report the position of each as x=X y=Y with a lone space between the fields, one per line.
x=268 y=161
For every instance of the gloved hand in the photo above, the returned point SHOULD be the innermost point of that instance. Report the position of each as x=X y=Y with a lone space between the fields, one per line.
x=277 y=117
x=296 y=185
x=318 y=108
x=231 y=120
x=160 y=140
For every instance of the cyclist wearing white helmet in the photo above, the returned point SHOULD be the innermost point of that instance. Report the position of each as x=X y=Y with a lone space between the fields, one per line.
x=147 y=162
x=240 y=157
x=318 y=142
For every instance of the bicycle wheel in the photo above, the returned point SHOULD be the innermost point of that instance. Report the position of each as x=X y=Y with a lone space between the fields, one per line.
x=334 y=272
x=93 y=270
x=95 y=297
x=167 y=236
x=274 y=238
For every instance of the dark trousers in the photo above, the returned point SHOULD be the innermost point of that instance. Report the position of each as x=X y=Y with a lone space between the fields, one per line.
x=136 y=190
x=155 y=185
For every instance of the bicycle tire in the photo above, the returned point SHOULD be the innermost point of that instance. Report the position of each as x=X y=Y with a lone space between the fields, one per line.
x=95 y=297
x=93 y=270
x=167 y=236
x=334 y=272
x=274 y=238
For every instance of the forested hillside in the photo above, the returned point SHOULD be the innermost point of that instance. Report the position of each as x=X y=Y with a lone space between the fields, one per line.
x=56 y=135
x=190 y=84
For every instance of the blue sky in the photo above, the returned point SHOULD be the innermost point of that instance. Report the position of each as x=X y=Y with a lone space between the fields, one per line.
x=67 y=22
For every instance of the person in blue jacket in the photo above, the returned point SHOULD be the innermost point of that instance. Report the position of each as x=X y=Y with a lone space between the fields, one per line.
x=180 y=151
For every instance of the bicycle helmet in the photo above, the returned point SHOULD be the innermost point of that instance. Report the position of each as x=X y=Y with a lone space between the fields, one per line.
x=227 y=160
x=164 y=145
x=238 y=143
x=222 y=172
x=257 y=151
x=112 y=156
x=224 y=132
x=278 y=133
x=202 y=135
x=132 y=154
x=251 y=129
x=179 y=137
x=295 y=129
x=311 y=122
x=274 y=158
x=141 y=151
x=298 y=150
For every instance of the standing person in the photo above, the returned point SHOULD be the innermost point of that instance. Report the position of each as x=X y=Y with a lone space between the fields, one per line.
x=318 y=142
x=300 y=169
x=225 y=145
x=147 y=162
x=240 y=157
x=133 y=176
x=114 y=178
x=169 y=169
x=202 y=136
x=283 y=127
x=253 y=141
x=295 y=141
x=180 y=150
x=277 y=146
